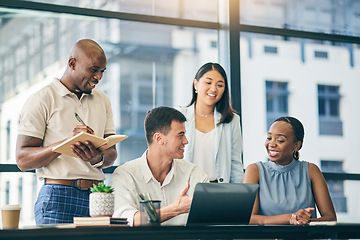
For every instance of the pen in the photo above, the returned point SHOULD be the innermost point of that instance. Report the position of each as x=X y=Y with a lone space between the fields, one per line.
x=79 y=119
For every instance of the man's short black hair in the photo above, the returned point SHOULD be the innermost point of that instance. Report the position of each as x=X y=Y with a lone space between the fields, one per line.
x=159 y=119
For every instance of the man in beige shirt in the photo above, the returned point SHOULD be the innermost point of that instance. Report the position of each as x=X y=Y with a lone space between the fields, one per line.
x=160 y=171
x=48 y=119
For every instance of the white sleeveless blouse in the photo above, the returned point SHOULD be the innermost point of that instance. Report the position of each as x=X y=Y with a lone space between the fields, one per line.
x=204 y=152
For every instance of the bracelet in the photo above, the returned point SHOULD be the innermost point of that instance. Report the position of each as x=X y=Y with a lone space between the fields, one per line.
x=99 y=164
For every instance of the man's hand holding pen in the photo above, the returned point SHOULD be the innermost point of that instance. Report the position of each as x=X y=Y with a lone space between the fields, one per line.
x=86 y=151
x=81 y=128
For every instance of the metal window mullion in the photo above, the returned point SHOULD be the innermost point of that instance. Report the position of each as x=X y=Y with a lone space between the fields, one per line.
x=298 y=33
x=63 y=9
x=234 y=45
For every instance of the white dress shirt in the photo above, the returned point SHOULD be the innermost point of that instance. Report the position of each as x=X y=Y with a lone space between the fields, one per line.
x=135 y=177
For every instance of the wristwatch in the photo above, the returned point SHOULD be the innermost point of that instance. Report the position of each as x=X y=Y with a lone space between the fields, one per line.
x=99 y=164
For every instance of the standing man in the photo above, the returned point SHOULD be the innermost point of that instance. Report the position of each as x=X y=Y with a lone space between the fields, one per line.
x=48 y=119
x=160 y=171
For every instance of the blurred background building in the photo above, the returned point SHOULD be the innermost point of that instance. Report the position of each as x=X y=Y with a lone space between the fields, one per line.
x=283 y=57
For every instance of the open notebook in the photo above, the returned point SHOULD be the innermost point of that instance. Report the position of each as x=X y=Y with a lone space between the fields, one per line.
x=222 y=204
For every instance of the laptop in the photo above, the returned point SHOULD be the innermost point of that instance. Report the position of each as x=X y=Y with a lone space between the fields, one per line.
x=222 y=204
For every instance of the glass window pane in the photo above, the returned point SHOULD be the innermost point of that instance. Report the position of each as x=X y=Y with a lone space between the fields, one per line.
x=8 y=140
x=321 y=88
x=277 y=97
x=321 y=106
x=7 y=192
x=334 y=89
x=269 y=85
x=148 y=65
x=329 y=100
x=145 y=95
x=283 y=106
x=334 y=107
x=331 y=166
x=125 y=119
x=282 y=86
x=325 y=16
x=125 y=92
x=204 y=10
x=269 y=104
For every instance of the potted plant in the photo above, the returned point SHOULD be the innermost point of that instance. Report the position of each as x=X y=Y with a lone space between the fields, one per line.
x=101 y=201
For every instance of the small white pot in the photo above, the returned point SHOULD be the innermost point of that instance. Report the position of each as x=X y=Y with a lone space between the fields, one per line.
x=101 y=204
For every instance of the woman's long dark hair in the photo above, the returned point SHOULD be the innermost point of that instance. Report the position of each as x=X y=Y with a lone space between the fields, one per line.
x=223 y=106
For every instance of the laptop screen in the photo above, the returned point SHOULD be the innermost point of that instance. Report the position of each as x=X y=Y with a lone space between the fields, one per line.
x=222 y=204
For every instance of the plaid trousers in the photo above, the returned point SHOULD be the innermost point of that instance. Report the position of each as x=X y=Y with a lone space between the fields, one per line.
x=60 y=204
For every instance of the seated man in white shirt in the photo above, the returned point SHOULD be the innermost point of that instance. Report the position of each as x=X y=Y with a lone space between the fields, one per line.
x=160 y=171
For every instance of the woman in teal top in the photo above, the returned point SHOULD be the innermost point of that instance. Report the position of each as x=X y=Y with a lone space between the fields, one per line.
x=289 y=188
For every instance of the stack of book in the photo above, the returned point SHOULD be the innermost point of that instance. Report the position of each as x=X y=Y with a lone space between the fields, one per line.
x=100 y=221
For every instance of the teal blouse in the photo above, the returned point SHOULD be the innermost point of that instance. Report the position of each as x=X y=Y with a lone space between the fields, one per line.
x=284 y=188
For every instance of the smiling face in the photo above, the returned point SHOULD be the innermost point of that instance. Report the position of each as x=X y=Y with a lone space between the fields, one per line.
x=210 y=87
x=281 y=142
x=174 y=141
x=88 y=69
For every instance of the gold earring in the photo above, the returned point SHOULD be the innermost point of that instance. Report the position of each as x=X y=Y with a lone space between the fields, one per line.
x=296 y=154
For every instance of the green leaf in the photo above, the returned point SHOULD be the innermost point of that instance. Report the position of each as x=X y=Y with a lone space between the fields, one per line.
x=101 y=187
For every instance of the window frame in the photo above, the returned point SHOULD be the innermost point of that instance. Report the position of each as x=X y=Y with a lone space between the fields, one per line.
x=279 y=90
x=329 y=124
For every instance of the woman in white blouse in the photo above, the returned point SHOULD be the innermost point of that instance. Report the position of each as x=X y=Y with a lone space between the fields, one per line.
x=213 y=127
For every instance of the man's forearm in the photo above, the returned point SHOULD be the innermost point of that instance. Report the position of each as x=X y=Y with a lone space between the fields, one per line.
x=31 y=155
x=166 y=213
x=29 y=158
x=110 y=156
x=169 y=212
